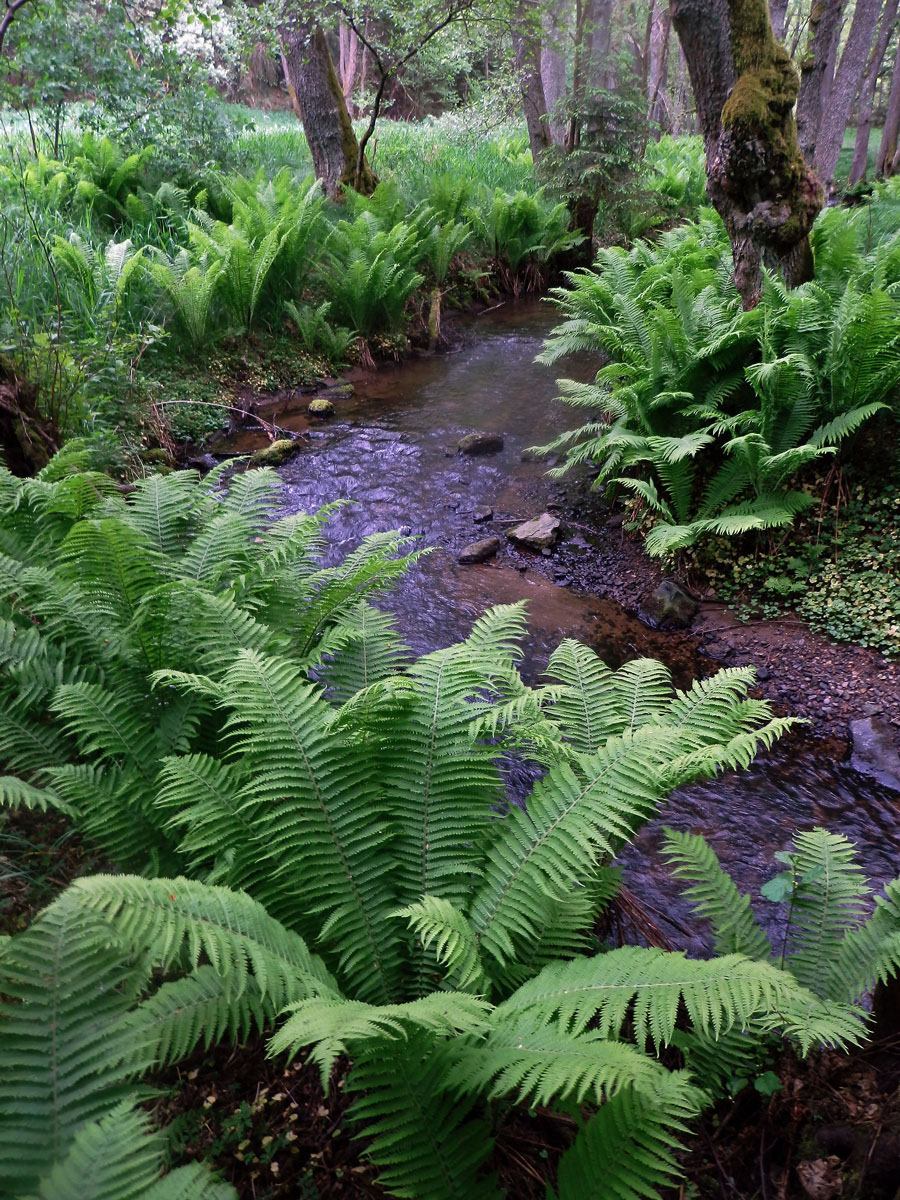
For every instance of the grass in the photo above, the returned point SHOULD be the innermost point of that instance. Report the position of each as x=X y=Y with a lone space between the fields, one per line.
x=845 y=158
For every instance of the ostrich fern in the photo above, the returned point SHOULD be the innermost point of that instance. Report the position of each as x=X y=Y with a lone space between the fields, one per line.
x=184 y=680
x=708 y=414
x=118 y=974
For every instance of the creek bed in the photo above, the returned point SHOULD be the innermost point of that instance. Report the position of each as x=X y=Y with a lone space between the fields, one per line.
x=391 y=451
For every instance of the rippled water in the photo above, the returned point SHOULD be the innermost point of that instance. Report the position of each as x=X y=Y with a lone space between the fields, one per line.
x=391 y=451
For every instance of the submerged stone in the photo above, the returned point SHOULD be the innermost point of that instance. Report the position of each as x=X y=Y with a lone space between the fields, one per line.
x=480 y=443
x=669 y=606
x=477 y=552
x=539 y=533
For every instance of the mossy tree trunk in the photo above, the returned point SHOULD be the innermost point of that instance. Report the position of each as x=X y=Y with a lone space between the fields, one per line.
x=318 y=100
x=745 y=87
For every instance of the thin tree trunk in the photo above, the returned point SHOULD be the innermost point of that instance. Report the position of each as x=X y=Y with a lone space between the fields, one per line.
x=845 y=88
x=318 y=100
x=887 y=153
x=553 y=68
x=867 y=93
x=348 y=66
x=817 y=71
x=778 y=12
x=658 y=67
x=527 y=49
x=745 y=87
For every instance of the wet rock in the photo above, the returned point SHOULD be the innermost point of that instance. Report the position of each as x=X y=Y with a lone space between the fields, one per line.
x=668 y=607
x=763 y=673
x=478 y=552
x=539 y=533
x=320 y=407
x=875 y=751
x=275 y=454
x=480 y=443
x=480 y=515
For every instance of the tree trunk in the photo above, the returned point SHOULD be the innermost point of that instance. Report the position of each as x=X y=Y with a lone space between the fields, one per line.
x=527 y=48
x=318 y=100
x=845 y=88
x=777 y=12
x=817 y=71
x=553 y=69
x=658 y=67
x=867 y=93
x=888 y=152
x=600 y=74
x=348 y=67
x=745 y=87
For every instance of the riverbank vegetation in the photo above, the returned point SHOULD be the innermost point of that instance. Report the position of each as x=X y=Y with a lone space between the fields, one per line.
x=274 y=847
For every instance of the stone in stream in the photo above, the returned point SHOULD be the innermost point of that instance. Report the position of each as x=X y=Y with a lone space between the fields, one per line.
x=668 y=607
x=275 y=454
x=321 y=406
x=539 y=533
x=480 y=515
x=480 y=443
x=478 y=552
x=875 y=751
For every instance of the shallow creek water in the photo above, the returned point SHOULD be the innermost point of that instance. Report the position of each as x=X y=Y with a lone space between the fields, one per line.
x=391 y=451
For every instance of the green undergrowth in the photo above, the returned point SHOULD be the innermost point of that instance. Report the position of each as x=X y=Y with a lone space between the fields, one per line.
x=838 y=568
x=197 y=397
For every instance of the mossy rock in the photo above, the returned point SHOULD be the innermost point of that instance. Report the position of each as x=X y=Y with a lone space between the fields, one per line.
x=157 y=457
x=320 y=407
x=274 y=455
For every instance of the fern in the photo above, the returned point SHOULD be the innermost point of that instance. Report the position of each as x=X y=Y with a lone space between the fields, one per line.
x=626 y=1151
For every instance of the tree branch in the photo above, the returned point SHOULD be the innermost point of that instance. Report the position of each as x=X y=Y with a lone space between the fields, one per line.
x=11 y=7
x=455 y=10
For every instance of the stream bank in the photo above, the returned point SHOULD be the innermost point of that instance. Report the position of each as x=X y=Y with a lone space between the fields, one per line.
x=391 y=451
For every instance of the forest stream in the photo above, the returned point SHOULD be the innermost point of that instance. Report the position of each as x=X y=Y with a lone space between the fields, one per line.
x=391 y=450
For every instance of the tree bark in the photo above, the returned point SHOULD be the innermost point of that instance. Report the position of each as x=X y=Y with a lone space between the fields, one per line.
x=888 y=152
x=658 y=67
x=527 y=49
x=745 y=87
x=817 y=71
x=318 y=100
x=845 y=88
x=778 y=12
x=867 y=93
x=553 y=68
x=348 y=67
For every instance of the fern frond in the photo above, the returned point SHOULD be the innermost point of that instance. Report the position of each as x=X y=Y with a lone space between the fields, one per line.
x=714 y=896
x=648 y=986
x=443 y=929
x=829 y=900
x=533 y=1062
x=334 y=1026
x=426 y=1142
x=119 y=1157
x=626 y=1151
